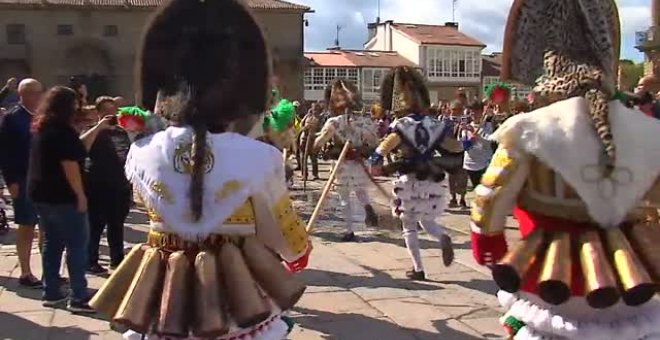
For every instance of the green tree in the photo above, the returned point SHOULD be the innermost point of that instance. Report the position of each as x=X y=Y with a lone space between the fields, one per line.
x=631 y=72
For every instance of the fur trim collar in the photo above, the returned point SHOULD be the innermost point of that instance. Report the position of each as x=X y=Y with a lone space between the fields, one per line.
x=562 y=136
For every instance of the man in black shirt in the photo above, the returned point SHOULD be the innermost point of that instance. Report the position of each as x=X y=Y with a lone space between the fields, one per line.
x=108 y=191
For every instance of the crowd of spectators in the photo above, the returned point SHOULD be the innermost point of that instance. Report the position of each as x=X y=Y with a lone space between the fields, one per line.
x=61 y=159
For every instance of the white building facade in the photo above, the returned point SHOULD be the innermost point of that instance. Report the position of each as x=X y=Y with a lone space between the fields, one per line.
x=449 y=59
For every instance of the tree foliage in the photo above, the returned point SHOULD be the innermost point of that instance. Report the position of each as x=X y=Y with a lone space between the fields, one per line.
x=631 y=72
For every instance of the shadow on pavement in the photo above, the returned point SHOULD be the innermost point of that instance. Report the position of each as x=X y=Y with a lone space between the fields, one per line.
x=15 y=327
x=385 y=238
x=446 y=332
x=349 y=326
x=380 y=279
x=485 y=286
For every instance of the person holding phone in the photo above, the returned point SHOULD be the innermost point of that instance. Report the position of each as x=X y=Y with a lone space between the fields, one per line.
x=107 y=188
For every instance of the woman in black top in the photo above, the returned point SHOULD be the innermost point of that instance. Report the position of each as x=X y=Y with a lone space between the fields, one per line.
x=55 y=186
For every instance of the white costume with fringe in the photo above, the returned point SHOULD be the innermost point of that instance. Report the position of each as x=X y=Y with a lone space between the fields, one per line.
x=244 y=196
x=351 y=175
x=561 y=137
x=420 y=189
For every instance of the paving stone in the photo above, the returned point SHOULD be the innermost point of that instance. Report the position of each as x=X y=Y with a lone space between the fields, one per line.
x=490 y=328
x=65 y=319
x=450 y=329
x=382 y=293
x=300 y=333
x=25 y=325
x=107 y=335
x=328 y=306
x=25 y=301
x=410 y=312
x=359 y=327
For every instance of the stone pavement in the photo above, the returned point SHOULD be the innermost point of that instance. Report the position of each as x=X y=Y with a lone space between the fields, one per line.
x=355 y=290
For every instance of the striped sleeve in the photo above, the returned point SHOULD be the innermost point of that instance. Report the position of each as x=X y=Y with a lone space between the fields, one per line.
x=497 y=193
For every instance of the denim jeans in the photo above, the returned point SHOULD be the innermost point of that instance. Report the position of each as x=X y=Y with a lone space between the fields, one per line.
x=64 y=227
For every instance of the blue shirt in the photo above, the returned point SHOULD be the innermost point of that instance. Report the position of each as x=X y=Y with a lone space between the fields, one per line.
x=15 y=141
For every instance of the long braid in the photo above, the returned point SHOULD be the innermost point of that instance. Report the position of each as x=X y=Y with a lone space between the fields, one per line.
x=200 y=130
x=598 y=102
x=567 y=77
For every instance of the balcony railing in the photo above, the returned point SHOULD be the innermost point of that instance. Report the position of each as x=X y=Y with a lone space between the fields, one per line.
x=649 y=39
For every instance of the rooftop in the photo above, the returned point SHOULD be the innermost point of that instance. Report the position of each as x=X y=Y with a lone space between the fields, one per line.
x=357 y=58
x=140 y=4
x=492 y=64
x=447 y=34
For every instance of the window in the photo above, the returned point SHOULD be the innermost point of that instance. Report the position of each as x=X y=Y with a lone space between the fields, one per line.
x=372 y=79
x=110 y=31
x=65 y=30
x=445 y=62
x=317 y=78
x=16 y=34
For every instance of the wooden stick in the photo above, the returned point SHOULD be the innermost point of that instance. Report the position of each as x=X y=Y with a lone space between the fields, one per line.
x=285 y=155
x=305 y=172
x=328 y=185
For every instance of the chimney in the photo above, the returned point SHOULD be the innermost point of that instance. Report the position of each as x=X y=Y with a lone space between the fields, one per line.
x=453 y=25
x=388 y=35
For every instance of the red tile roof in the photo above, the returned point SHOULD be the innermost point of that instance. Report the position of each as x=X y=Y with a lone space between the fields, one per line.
x=437 y=35
x=256 y=4
x=491 y=65
x=357 y=58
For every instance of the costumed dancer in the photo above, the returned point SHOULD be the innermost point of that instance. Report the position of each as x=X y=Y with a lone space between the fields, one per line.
x=420 y=186
x=578 y=174
x=343 y=100
x=309 y=126
x=221 y=217
x=279 y=131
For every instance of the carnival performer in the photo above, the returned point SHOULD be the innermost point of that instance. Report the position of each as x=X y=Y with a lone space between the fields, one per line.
x=221 y=218
x=420 y=186
x=343 y=100
x=309 y=126
x=578 y=174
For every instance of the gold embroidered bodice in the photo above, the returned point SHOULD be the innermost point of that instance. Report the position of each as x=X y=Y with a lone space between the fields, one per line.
x=286 y=217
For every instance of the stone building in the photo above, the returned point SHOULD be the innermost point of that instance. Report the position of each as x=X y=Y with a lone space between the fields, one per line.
x=97 y=40
x=649 y=43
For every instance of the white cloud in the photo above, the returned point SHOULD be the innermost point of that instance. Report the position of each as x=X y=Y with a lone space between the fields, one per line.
x=481 y=19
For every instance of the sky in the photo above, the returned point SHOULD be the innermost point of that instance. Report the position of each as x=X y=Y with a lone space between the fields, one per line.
x=481 y=19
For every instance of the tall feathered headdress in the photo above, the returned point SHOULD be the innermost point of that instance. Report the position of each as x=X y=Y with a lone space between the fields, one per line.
x=404 y=91
x=498 y=92
x=281 y=116
x=546 y=41
x=342 y=94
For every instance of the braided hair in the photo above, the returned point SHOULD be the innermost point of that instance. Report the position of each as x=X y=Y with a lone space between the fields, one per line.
x=211 y=56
